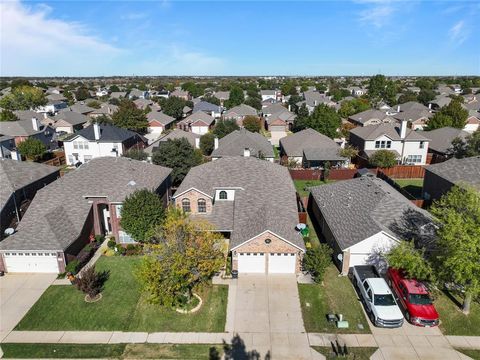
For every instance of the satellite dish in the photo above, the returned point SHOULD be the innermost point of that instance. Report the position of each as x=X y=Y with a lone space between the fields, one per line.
x=340 y=257
x=9 y=231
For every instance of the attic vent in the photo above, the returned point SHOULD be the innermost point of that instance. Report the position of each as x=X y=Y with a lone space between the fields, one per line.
x=132 y=183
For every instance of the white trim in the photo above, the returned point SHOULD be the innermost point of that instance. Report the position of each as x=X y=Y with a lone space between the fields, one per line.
x=189 y=189
x=380 y=232
x=271 y=232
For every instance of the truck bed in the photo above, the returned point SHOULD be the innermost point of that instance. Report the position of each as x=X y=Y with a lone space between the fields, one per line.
x=366 y=272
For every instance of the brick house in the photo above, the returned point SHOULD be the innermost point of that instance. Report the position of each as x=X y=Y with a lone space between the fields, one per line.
x=85 y=202
x=252 y=202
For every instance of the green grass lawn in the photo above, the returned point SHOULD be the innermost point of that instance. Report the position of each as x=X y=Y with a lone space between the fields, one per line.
x=453 y=321
x=301 y=185
x=474 y=354
x=115 y=351
x=337 y=296
x=122 y=307
x=354 y=353
x=412 y=186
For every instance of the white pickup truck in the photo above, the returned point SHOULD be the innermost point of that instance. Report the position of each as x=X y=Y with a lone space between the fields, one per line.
x=379 y=300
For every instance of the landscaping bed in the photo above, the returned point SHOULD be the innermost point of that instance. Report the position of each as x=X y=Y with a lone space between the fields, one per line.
x=336 y=296
x=116 y=351
x=122 y=307
x=452 y=320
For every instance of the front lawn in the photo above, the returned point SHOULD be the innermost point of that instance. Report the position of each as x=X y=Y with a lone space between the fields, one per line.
x=354 y=353
x=335 y=296
x=116 y=351
x=452 y=320
x=412 y=186
x=122 y=307
x=474 y=354
x=302 y=185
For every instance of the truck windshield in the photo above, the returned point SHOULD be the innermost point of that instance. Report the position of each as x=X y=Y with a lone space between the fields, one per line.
x=384 y=300
x=420 y=299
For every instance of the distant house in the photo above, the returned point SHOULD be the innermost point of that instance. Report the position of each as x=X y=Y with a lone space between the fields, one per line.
x=311 y=149
x=69 y=121
x=415 y=113
x=21 y=130
x=158 y=122
x=7 y=147
x=138 y=94
x=410 y=147
x=192 y=138
x=371 y=117
x=181 y=94
x=275 y=95
x=211 y=109
x=238 y=113
x=313 y=98
x=52 y=107
x=99 y=140
x=80 y=108
x=243 y=143
x=357 y=91
x=105 y=109
x=20 y=182
x=440 y=178
x=118 y=94
x=222 y=96
x=363 y=218
x=101 y=92
x=198 y=123
x=440 y=144
x=473 y=121
x=66 y=213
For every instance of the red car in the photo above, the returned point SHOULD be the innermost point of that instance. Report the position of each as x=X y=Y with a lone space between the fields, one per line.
x=415 y=299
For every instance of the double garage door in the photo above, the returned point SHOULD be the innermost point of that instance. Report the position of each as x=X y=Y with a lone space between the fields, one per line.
x=31 y=262
x=278 y=263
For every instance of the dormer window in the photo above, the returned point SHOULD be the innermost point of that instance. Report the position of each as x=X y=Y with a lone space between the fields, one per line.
x=223 y=195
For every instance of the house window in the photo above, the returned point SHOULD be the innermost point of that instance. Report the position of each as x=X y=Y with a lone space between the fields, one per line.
x=383 y=144
x=202 y=205
x=186 y=205
x=85 y=145
x=71 y=160
x=223 y=195
x=422 y=144
x=125 y=238
x=75 y=145
x=389 y=144
x=118 y=210
x=414 y=159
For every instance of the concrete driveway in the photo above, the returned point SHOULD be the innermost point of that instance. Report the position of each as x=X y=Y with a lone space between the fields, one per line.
x=268 y=317
x=18 y=293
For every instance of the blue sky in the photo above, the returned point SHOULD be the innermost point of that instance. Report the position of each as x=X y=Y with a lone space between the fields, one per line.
x=361 y=37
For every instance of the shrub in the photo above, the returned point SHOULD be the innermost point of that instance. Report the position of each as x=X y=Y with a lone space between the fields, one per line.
x=99 y=238
x=91 y=282
x=111 y=243
x=120 y=249
x=72 y=266
x=131 y=247
x=316 y=261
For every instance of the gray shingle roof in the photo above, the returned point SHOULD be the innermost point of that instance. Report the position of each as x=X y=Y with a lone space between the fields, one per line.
x=240 y=110
x=368 y=115
x=372 y=132
x=206 y=106
x=441 y=139
x=295 y=144
x=359 y=208
x=265 y=198
x=108 y=133
x=80 y=108
x=198 y=116
x=237 y=141
x=174 y=134
x=19 y=128
x=323 y=154
x=459 y=171
x=71 y=117
x=58 y=212
x=16 y=175
x=160 y=117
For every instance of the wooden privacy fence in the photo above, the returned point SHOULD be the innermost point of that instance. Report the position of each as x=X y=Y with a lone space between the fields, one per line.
x=58 y=160
x=405 y=172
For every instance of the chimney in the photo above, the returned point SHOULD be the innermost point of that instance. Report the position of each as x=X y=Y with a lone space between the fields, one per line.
x=215 y=143
x=398 y=108
x=403 y=129
x=430 y=106
x=289 y=107
x=96 y=131
x=314 y=102
x=35 y=124
x=197 y=143
x=246 y=152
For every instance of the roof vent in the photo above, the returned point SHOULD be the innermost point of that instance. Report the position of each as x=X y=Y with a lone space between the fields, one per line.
x=132 y=183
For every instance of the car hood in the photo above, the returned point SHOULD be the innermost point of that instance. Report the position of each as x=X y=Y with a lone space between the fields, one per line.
x=427 y=312
x=389 y=312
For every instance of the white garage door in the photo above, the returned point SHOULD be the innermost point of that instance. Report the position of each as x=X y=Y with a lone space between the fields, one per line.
x=358 y=259
x=281 y=263
x=251 y=263
x=31 y=262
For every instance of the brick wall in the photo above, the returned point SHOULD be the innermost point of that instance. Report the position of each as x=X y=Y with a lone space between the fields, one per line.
x=194 y=196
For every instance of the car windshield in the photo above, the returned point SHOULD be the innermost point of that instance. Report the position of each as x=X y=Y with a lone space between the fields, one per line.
x=420 y=299
x=384 y=300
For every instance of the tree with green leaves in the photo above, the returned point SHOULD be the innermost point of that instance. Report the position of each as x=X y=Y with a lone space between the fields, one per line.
x=225 y=127
x=194 y=89
x=128 y=116
x=94 y=104
x=381 y=89
x=458 y=241
x=82 y=93
x=407 y=96
x=426 y=96
x=453 y=115
x=254 y=102
x=23 y=98
x=141 y=212
x=173 y=106
x=407 y=257
x=236 y=97
x=349 y=152
x=8 y=115
x=114 y=88
x=211 y=99
x=383 y=159
x=187 y=253
x=252 y=123
x=316 y=261
x=136 y=154
x=354 y=106
x=178 y=155
x=323 y=119
x=470 y=146
x=32 y=149
x=207 y=143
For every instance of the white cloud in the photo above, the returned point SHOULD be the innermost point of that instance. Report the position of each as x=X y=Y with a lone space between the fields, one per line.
x=34 y=43
x=377 y=12
x=459 y=32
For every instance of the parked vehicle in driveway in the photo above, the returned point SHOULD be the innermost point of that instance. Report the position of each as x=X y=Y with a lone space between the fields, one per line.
x=377 y=297
x=414 y=297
